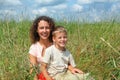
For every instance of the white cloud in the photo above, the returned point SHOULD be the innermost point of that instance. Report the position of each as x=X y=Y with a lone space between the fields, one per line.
x=115 y=7
x=94 y=16
x=56 y=7
x=91 y=1
x=84 y=1
x=14 y=2
x=8 y=12
x=77 y=7
x=10 y=2
x=49 y=2
x=105 y=0
x=44 y=1
x=40 y=11
x=53 y=11
x=61 y=6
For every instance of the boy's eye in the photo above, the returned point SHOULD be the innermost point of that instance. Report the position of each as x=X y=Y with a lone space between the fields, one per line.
x=59 y=37
x=65 y=37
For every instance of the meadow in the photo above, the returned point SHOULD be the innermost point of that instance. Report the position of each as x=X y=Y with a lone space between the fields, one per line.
x=94 y=46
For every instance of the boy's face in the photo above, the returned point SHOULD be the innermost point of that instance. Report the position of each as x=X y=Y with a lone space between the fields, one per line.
x=60 y=40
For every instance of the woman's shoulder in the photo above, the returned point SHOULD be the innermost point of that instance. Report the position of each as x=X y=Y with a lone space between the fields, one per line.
x=35 y=49
x=36 y=44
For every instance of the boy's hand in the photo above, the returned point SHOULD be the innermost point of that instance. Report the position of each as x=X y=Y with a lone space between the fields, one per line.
x=75 y=70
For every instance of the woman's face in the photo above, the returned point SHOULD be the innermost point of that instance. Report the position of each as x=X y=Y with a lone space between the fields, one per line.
x=43 y=29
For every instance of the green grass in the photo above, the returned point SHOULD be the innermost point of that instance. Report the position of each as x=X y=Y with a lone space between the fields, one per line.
x=91 y=54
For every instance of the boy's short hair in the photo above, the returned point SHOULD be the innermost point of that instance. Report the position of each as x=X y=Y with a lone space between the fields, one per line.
x=59 y=29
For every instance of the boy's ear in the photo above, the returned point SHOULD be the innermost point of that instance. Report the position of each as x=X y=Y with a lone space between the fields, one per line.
x=53 y=38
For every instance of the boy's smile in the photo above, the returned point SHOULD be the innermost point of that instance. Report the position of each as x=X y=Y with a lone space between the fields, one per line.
x=60 y=40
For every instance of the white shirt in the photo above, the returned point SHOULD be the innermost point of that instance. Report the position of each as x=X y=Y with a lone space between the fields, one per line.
x=36 y=50
x=57 y=60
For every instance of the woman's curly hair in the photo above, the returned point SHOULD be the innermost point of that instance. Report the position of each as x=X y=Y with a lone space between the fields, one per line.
x=34 y=37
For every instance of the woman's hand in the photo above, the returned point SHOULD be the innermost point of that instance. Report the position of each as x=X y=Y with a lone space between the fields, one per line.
x=49 y=78
x=44 y=71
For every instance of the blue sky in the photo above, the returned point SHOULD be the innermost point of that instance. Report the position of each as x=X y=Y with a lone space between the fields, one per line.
x=88 y=10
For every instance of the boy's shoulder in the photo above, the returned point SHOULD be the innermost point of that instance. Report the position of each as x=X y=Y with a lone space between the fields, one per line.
x=53 y=48
x=50 y=47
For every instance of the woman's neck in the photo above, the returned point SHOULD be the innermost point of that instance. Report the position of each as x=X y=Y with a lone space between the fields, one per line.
x=45 y=43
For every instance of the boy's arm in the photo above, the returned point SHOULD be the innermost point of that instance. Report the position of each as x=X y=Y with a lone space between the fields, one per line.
x=71 y=66
x=44 y=71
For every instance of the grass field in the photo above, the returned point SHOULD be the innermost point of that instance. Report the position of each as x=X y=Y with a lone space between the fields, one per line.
x=95 y=47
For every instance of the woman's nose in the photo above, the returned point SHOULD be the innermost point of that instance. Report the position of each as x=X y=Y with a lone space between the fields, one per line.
x=44 y=30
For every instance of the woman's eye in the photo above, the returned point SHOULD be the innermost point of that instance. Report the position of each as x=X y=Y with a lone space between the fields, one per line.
x=47 y=27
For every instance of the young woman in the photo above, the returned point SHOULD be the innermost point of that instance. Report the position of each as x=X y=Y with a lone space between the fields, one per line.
x=57 y=60
x=41 y=38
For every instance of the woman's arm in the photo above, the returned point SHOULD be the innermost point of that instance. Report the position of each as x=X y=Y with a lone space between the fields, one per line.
x=44 y=71
x=33 y=62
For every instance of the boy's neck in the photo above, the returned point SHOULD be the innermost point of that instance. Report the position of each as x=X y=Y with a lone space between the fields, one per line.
x=60 y=48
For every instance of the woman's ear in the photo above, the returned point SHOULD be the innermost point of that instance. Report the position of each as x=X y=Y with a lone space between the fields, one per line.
x=37 y=30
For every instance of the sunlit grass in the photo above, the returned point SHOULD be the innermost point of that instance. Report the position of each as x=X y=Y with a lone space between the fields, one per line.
x=91 y=54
